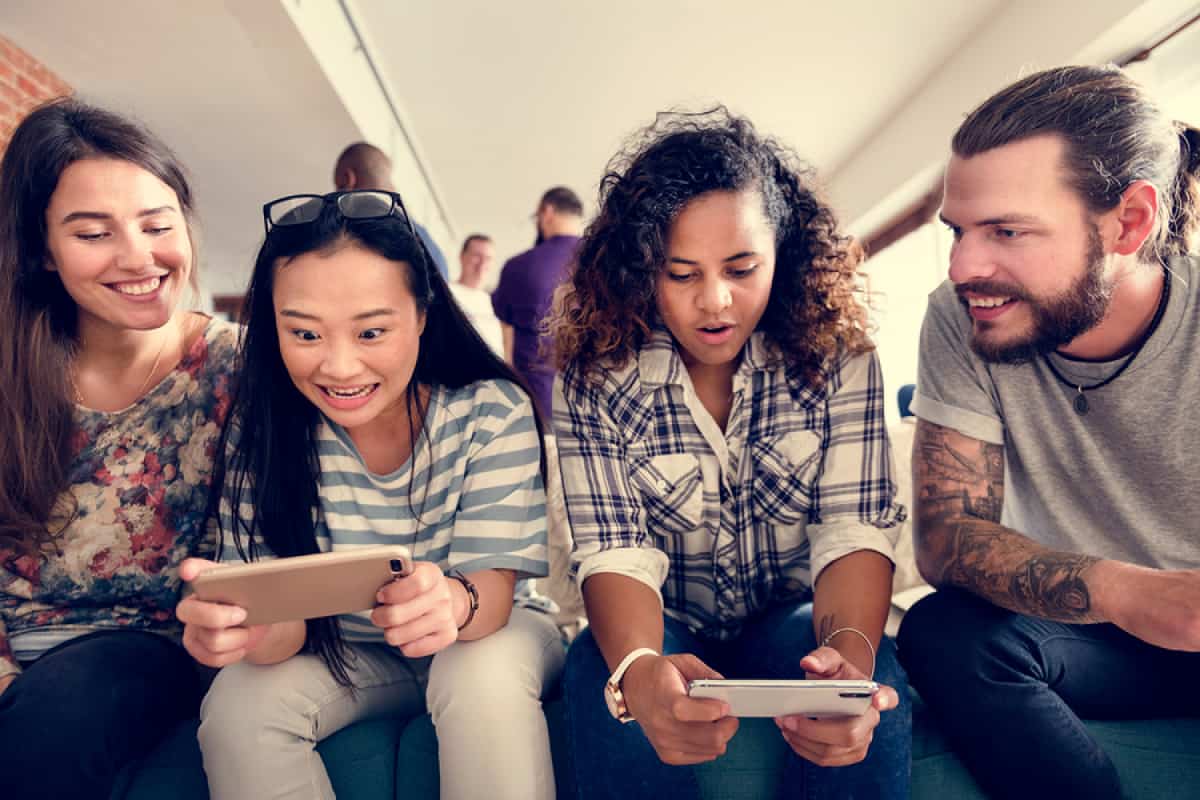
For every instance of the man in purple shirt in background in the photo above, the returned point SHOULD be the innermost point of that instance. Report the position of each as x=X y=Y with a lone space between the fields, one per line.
x=527 y=285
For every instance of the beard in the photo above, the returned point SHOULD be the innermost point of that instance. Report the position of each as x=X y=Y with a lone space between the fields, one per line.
x=1056 y=320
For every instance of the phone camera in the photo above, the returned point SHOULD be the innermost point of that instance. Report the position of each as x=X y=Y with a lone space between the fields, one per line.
x=397 y=566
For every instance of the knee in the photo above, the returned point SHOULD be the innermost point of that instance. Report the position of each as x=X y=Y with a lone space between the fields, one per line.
x=501 y=673
x=951 y=638
x=248 y=705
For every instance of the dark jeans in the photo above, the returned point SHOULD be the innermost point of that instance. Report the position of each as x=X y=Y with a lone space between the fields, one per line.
x=613 y=760
x=1009 y=690
x=87 y=708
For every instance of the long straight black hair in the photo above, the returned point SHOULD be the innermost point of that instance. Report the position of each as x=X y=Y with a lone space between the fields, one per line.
x=266 y=454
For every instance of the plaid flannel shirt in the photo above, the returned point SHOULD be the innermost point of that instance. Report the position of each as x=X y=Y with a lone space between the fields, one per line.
x=724 y=524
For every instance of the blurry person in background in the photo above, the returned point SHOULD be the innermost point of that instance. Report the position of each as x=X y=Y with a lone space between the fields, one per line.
x=527 y=285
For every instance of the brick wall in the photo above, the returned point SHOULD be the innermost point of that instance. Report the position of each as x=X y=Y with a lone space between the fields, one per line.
x=24 y=83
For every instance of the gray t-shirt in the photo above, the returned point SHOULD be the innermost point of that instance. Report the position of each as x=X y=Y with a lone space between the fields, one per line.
x=1121 y=481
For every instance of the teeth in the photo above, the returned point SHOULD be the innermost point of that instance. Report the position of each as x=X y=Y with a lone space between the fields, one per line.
x=349 y=393
x=144 y=287
x=987 y=302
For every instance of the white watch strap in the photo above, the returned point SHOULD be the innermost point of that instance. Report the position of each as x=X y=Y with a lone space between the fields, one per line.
x=634 y=655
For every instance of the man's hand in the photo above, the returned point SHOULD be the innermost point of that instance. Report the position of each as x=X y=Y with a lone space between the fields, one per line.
x=682 y=729
x=417 y=612
x=835 y=742
x=1158 y=606
x=6 y=681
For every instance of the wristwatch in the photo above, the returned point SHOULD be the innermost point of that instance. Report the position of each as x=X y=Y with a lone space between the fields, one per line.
x=612 y=687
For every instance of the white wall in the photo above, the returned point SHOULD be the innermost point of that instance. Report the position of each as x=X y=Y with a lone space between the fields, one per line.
x=1024 y=36
x=331 y=37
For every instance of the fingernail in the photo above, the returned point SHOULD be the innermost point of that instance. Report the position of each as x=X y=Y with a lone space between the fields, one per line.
x=239 y=616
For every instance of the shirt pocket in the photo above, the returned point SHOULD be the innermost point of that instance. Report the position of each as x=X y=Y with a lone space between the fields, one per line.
x=673 y=490
x=785 y=469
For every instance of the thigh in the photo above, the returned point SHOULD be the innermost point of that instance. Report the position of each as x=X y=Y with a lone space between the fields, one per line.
x=1098 y=670
x=524 y=658
x=301 y=696
x=772 y=644
x=89 y=707
x=110 y=679
x=611 y=759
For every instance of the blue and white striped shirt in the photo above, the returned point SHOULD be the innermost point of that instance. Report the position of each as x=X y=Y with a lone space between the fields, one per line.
x=470 y=497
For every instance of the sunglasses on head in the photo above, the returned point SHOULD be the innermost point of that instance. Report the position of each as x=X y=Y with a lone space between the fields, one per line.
x=302 y=209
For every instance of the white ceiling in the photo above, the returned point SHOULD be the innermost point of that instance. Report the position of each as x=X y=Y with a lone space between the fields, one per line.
x=510 y=98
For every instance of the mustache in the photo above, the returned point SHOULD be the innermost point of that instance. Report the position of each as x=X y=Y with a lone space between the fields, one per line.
x=993 y=288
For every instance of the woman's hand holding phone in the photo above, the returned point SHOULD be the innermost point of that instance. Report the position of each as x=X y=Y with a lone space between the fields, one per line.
x=682 y=729
x=417 y=612
x=842 y=741
x=213 y=633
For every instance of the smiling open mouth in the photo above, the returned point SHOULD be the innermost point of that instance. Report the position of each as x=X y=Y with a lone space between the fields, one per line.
x=349 y=393
x=138 y=288
x=988 y=302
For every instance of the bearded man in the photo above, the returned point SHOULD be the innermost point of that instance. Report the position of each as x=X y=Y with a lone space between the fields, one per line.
x=1056 y=465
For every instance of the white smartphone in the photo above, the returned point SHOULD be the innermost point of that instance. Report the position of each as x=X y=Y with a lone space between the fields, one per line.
x=779 y=698
x=304 y=587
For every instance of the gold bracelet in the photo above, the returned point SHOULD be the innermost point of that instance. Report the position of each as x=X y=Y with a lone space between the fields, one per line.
x=472 y=595
x=870 y=646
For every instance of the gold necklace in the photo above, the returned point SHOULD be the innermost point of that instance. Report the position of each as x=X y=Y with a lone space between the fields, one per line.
x=162 y=348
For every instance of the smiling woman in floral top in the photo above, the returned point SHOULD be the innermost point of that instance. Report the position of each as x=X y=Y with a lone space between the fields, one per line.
x=111 y=400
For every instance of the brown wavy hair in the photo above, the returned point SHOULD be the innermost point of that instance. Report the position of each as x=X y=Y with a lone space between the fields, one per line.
x=605 y=312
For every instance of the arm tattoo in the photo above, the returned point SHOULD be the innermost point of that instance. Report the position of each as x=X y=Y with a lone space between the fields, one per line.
x=959 y=500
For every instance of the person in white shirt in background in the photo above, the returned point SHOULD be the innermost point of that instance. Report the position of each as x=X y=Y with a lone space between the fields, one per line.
x=475 y=259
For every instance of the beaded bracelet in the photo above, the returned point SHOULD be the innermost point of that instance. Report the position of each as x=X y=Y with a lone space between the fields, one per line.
x=472 y=596
x=864 y=638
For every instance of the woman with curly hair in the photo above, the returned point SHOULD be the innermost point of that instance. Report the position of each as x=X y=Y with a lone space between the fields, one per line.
x=719 y=415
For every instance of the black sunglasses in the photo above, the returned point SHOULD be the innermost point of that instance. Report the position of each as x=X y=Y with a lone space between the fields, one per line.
x=302 y=209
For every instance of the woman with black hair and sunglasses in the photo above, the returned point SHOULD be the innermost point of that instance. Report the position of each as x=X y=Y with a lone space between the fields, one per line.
x=370 y=412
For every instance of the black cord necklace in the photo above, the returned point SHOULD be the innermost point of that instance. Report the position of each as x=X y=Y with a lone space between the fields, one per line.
x=1080 y=402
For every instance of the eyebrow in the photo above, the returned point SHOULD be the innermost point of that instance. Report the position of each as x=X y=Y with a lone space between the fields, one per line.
x=100 y=215
x=735 y=257
x=1003 y=219
x=375 y=312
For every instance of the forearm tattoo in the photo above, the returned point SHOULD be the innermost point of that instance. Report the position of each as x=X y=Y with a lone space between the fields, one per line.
x=960 y=496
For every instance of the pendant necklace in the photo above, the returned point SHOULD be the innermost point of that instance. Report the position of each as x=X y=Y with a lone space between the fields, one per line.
x=1081 y=402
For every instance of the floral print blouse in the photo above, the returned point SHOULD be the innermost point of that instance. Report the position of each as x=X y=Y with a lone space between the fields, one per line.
x=139 y=483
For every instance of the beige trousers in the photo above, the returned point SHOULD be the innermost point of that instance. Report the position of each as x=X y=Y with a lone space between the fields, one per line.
x=259 y=725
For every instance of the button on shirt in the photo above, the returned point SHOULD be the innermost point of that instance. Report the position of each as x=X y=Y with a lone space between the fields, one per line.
x=724 y=524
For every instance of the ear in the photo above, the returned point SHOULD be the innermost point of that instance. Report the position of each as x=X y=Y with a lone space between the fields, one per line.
x=421 y=323
x=344 y=179
x=1134 y=217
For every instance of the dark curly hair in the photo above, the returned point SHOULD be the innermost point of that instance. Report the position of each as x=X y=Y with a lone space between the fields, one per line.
x=604 y=314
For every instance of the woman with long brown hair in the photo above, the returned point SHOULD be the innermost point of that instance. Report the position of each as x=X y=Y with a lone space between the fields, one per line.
x=111 y=401
x=719 y=422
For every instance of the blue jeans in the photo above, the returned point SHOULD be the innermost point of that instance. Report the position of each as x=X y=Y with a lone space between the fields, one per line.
x=612 y=760
x=1008 y=691
x=88 y=708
